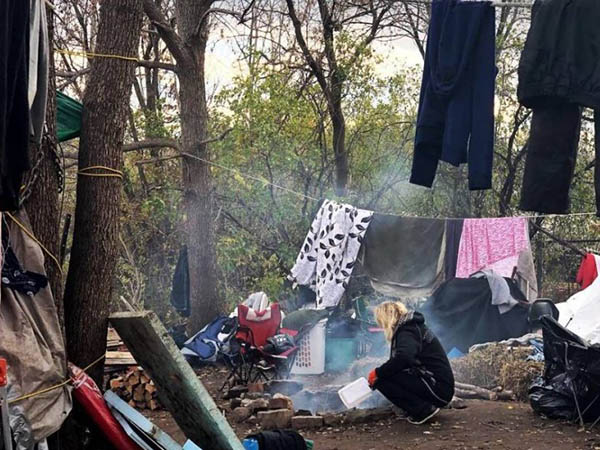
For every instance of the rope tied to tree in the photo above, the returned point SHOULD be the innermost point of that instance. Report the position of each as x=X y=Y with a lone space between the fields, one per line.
x=92 y=172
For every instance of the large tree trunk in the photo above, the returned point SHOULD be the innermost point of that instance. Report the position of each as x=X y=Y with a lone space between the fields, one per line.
x=43 y=206
x=94 y=253
x=197 y=176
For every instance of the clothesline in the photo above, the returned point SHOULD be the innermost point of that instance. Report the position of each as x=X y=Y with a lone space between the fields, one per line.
x=266 y=182
x=494 y=3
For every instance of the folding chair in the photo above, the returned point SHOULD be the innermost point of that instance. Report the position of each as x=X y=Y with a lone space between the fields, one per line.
x=249 y=361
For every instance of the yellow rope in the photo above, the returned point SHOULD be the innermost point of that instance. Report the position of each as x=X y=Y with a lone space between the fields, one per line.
x=94 y=55
x=52 y=388
x=30 y=234
x=111 y=173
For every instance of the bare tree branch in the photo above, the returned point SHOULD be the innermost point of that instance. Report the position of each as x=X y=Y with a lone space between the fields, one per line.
x=174 y=43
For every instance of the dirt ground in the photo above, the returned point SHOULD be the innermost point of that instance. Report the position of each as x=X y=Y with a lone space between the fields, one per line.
x=482 y=425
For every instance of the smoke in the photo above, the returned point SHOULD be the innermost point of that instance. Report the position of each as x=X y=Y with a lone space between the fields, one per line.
x=320 y=393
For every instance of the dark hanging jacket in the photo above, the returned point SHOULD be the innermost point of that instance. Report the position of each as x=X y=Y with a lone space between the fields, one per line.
x=455 y=123
x=414 y=346
x=14 y=104
x=559 y=72
x=561 y=59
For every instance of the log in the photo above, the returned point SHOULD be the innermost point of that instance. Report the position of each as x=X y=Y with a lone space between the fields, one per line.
x=150 y=388
x=179 y=389
x=116 y=383
x=473 y=394
x=153 y=405
x=138 y=393
x=133 y=380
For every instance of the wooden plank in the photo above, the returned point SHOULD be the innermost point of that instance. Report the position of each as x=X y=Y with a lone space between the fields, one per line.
x=179 y=389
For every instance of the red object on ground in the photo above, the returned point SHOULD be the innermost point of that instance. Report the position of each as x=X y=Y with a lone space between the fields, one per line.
x=588 y=271
x=88 y=395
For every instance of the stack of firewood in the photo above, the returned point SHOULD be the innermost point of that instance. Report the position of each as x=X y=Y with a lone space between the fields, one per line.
x=136 y=388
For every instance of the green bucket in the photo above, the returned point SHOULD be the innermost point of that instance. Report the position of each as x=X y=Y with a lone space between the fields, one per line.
x=340 y=353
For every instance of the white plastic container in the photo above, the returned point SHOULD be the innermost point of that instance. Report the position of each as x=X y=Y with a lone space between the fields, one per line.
x=355 y=393
x=310 y=359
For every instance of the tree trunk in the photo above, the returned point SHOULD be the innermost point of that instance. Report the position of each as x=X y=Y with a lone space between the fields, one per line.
x=43 y=204
x=338 y=123
x=94 y=254
x=197 y=176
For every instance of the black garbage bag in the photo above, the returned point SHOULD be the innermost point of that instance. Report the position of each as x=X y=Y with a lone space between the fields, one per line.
x=570 y=386
x=554 y=400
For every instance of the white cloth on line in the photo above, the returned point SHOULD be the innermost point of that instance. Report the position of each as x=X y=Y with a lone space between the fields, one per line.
x=329 y=252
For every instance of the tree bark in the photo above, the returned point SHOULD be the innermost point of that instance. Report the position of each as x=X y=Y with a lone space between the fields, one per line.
x=188 y=47
x=43 y=204
x=197 y=176
x=94 y=253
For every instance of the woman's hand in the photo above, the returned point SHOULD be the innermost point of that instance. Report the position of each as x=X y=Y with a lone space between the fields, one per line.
x=372 y=378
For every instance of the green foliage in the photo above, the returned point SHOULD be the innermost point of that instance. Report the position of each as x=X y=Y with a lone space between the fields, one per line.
x=280 y=145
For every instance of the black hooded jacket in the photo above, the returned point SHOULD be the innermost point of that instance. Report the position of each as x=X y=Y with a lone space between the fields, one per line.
x=414 y=346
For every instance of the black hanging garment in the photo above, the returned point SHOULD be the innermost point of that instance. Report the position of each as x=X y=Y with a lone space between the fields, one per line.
x=559 y=73
x=180 y=292
x=454 y=229
x=14 y=105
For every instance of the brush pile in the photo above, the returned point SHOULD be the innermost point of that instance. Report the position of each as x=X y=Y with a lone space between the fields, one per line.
x=498 y=368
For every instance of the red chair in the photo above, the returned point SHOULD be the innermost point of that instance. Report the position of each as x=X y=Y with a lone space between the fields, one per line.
x=251 y=361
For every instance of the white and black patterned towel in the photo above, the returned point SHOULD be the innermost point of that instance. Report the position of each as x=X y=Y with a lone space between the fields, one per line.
x=329 y=251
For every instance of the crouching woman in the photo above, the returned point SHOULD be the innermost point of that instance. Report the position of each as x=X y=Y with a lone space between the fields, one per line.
x=417 y=378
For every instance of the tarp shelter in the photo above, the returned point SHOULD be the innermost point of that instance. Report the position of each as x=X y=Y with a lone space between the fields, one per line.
x=579 y=314
x=32 y=343
x=68 y=117
x=461 y=314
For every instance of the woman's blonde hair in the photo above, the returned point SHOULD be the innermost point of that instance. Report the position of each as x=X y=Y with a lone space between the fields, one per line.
x=387 y=315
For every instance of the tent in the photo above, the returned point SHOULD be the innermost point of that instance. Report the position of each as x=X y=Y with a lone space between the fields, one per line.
x=579 y=314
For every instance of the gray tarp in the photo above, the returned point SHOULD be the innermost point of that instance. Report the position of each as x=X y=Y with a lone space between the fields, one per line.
x=404 y=256
x=33 y=345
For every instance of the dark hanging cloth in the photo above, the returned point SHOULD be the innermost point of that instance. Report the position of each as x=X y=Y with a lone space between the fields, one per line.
x=461 y=314
x=180 y=292
x=14 y=105
x=403 y=256
x=551 y=157
x=13 y=274
x=558 y=73
x=279 y=440
x=559 y=63
x=454 y=229
x=455 y=122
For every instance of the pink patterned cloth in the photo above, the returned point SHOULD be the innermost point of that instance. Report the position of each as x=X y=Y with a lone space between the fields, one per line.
x=492 y=244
